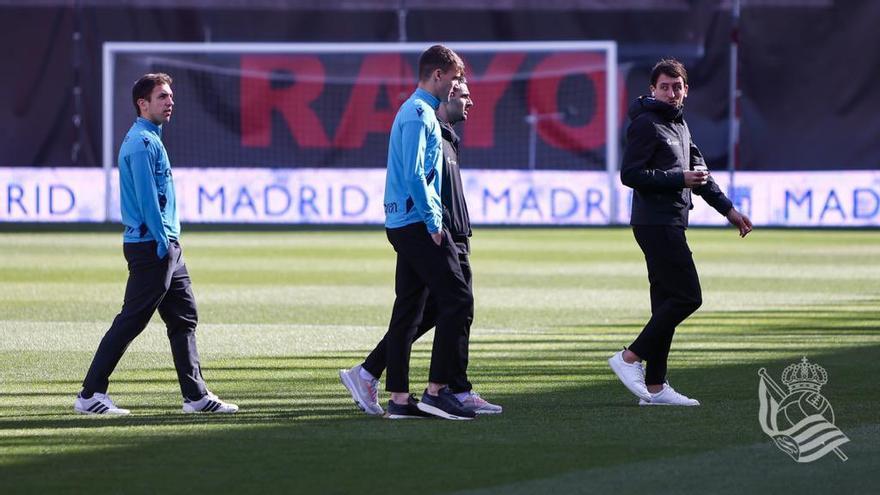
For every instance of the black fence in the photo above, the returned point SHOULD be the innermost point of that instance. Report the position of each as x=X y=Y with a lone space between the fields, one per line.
x=806 y=68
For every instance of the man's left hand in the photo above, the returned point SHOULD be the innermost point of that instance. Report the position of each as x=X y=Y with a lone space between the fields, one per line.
x=741 y=222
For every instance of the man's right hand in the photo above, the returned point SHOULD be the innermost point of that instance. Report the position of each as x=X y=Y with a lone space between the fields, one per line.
x=695 y=178
x=437 y=238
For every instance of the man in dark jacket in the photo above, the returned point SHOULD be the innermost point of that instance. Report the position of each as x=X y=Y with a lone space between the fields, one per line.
x=363 y=381
x=663 y=166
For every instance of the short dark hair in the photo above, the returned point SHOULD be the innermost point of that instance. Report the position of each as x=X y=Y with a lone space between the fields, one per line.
x=143 y=88
x=670 y=67
x=438 y=57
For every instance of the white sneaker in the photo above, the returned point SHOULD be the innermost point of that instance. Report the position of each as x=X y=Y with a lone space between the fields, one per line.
x=631 y=375
x=669 y=397
x=364 y=392
x=209 y=404
x=98 y=404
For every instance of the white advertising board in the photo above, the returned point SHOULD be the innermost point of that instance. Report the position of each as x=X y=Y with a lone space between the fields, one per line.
x=495 y=197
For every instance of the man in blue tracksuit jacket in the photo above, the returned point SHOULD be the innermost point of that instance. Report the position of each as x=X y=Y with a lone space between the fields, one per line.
x=362 y=381
x=158 y=278
x=427 y=259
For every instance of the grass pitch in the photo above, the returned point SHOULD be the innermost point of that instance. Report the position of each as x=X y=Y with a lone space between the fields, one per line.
x=281 y=312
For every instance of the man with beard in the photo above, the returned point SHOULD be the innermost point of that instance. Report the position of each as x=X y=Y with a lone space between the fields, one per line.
x=362 y=381
x=427 y=259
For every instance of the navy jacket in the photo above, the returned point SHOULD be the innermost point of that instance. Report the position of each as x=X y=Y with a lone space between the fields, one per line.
x=455 y=211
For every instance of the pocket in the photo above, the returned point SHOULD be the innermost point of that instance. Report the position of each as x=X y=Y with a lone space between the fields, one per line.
x=140 y=254
x=445 y=239
x=433 y=244
x=175 y=252
x=677 y=241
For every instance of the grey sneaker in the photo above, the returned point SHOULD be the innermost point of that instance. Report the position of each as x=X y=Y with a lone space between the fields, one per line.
x=364 y=392
x=479 y=405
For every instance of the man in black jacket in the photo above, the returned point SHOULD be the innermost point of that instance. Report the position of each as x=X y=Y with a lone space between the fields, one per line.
x=362 y=381
x=663 y=166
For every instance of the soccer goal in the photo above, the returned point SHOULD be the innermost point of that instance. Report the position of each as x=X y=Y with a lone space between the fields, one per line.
x=543 y=131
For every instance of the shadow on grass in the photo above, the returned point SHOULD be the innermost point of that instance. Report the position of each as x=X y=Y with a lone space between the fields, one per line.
x=304 y=435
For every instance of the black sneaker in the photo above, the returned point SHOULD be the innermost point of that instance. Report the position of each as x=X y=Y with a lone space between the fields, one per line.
x=408 y=411
x=445 y=405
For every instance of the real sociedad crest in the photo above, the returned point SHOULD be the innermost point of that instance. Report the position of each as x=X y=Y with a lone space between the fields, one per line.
x=800 y=421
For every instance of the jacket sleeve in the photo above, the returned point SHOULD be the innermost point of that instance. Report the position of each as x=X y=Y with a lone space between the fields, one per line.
x=710 y=192
x=424 y=197
x=635 y=171
x=147 y=197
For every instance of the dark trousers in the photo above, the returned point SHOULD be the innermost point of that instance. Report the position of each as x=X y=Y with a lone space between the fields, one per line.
x=675 y=294
x=424 y=268
x=153 y=284
x=376 y=361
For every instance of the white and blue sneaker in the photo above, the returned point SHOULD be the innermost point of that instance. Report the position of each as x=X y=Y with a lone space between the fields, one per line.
x=445 y=405
x=669 y=397
x=208 y=404
x=410 y=410
x=98 y=404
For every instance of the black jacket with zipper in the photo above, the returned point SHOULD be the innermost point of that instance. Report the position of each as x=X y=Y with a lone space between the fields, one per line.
x=455 y=211
x=658 y=151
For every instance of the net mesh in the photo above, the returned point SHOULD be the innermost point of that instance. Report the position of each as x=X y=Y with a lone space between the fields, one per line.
x=540 y=110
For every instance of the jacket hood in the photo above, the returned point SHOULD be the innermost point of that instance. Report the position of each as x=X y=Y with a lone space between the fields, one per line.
x=644 y=104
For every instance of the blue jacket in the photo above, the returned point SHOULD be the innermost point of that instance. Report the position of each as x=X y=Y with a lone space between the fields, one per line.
x=146 y=188
x=412 y=183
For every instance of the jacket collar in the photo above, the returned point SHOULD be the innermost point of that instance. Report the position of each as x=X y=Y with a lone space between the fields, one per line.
x=448 y=133
x=644 y=104
x=149 y=125
x=428 y=97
